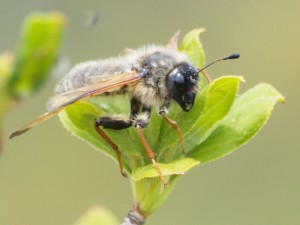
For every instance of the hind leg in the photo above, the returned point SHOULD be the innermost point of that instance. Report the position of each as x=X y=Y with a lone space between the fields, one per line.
x=108 y=122
x=117 y=123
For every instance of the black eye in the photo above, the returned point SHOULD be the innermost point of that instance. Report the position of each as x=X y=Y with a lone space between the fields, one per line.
x=191 y=70
x=179 y=79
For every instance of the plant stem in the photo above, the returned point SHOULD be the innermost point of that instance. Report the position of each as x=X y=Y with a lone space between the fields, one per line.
x=134 y=217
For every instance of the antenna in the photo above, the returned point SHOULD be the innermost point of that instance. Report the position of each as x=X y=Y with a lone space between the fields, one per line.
x=232 y=56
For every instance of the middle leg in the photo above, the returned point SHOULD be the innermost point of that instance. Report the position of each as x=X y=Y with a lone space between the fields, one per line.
x=162 y=111
x=141 y=122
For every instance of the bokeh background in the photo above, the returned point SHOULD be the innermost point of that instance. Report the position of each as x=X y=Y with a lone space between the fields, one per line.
x=49 y=177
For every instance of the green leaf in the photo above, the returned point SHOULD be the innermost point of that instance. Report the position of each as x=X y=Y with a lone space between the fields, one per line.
x=247 y=116
x=97 y=216
x=25 y=71
x=6 y=103
x=192 y=47
x=177 y=167
x=216 y=126
x=79 y=119
x=6 y=60
x=36 y=53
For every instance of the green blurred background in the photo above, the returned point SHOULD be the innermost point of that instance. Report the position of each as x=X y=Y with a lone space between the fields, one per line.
x=49 y=177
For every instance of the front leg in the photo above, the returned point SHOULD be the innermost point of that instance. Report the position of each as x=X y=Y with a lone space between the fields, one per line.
x=163 y=111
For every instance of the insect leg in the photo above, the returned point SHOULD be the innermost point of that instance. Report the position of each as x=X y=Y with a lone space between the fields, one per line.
x=150 y=153
x=142 y=121
x=162 y=112
x=140 y=113
x=112 y=144
x=117 y=124
x=135 y=106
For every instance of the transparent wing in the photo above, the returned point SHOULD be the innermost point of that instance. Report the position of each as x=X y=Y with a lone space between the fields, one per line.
x=101 y=84
x=108 y=78
x=37 y=121
x=59 y=102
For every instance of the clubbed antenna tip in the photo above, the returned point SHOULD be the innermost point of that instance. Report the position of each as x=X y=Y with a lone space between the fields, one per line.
x=232 y=56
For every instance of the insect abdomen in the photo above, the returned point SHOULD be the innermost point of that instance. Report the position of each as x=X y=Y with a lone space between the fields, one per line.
x=81 y=75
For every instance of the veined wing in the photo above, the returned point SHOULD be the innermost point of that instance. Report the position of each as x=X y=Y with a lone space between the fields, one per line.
x=108 y=78
x=59 y=102
x=37 y=121
x=101 y=84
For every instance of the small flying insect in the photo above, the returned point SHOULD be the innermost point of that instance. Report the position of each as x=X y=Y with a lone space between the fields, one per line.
x=152 y=76
x=93 y=20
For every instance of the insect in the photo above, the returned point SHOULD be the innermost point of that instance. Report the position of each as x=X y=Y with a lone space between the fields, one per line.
x=153 y=76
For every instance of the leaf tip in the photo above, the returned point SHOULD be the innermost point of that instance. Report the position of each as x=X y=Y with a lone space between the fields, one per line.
x=59 y=16
x=242 y=79
x=281 y=99
x=279 y=95
x=200 y=30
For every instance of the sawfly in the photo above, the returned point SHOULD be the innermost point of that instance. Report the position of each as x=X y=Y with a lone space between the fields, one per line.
x=152 y=76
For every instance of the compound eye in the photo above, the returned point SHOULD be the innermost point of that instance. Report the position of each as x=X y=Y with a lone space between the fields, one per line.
x=179 y=79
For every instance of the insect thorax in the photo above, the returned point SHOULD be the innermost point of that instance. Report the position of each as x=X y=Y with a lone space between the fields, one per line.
x=152 y=89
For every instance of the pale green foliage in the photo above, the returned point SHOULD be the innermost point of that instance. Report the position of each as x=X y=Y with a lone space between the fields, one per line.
x=218 y=124
x=97 y=216
x=24 y=71
x=248 y=114
x=178 y=167
x=192 y=47
x=36 y=52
